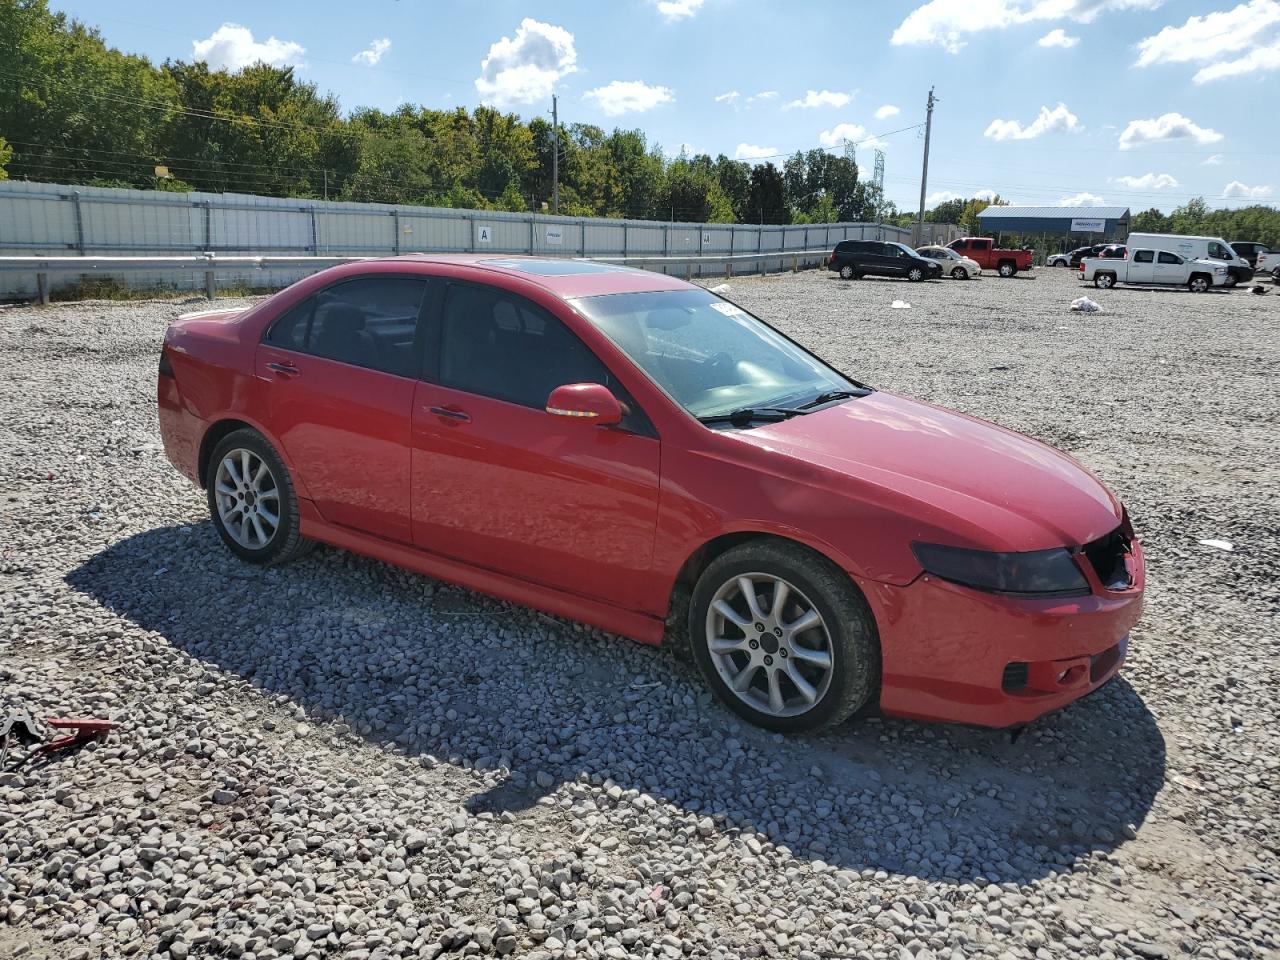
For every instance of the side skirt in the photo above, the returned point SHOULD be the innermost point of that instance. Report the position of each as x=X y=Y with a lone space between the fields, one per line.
x=628 y=623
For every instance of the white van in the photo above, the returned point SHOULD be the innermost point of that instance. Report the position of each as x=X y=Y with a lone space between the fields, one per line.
x=1198 y=248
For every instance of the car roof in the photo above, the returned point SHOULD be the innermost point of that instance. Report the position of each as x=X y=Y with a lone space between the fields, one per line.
x=565 y=277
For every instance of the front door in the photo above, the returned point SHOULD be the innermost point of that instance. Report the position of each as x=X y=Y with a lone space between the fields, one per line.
x=1170 y=268
x=341 y=370
x=501 y=484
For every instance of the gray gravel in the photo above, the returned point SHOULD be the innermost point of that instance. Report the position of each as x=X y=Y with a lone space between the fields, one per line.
x=338 y=758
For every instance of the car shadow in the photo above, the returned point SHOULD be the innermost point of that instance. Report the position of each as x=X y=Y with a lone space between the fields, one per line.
x=433 y=670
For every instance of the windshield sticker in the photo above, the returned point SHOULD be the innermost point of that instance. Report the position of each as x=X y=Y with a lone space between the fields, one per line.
x=729 y=309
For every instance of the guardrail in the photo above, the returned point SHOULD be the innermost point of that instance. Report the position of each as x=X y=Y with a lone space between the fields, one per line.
x=42 y=267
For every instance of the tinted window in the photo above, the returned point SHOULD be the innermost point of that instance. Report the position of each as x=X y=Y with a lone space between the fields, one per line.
x=1219 y=252
x=1166 y=257
x=500 y=345
x=370 y=322
x=1144 y=256
x=960 y=245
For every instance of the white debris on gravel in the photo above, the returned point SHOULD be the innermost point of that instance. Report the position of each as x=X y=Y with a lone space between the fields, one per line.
x=1220 y=544
x=900 y=305
x=1085 y=305
x=336 y=758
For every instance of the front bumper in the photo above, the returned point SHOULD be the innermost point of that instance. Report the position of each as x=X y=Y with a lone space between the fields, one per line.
x=956 y=654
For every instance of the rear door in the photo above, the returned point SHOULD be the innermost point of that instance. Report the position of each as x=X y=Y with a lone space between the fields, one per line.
x=503 y=485
x=341 y=370
x=1170 y=268
x=1142 y=267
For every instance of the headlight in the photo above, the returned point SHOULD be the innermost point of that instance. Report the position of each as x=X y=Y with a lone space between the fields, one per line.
x=1219 y=269
x=1033 y=573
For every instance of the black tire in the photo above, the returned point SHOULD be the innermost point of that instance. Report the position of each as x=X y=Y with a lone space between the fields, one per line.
x=286 y=541
x=848 y=273
x=1275 y=275
x=1199 y=283
x=959 y=273
x=915 y=274
x=1060 y=263
x=854 y=642
x=1007 y=269
x=1104 y=281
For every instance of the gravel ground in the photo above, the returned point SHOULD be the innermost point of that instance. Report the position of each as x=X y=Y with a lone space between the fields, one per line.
x=337 y=758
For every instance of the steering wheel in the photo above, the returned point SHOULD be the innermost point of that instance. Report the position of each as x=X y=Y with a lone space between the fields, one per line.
x=720 y=363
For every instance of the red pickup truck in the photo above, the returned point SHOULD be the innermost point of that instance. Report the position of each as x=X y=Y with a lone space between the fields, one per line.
x=990 y=257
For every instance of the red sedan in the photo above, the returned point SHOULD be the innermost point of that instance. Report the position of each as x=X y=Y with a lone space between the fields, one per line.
x=632 y=451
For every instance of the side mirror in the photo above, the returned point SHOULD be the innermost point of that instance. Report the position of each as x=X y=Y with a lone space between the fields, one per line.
x=585 y=401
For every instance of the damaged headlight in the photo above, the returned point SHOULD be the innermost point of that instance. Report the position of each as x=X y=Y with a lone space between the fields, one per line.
x=1041 y=573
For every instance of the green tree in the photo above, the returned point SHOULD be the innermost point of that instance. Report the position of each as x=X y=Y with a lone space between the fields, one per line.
x=767 y=197
x=6 y=152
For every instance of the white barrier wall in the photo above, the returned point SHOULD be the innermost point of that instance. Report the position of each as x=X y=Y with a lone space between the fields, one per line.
x=59 y=220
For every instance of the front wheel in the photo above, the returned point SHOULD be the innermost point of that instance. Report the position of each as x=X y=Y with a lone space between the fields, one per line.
x=1007 y=269
x=783 y=637
x=915 y=274
x=1104 y=281
x=1198 y=284
x=847 y=273
x=252 y=500
x=959 y=273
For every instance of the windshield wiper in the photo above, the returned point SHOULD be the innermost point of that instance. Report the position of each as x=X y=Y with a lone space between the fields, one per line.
x=745 y=416
x=832 y=395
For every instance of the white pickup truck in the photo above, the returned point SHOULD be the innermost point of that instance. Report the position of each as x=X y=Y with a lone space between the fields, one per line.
x=1146 y=266
x=1268 y=263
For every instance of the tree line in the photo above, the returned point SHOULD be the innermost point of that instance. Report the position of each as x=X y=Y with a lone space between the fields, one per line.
x=74 y=110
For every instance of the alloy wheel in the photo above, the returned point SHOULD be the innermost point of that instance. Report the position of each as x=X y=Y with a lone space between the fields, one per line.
x=248 y=499
x=770 y=644
x=915 y=274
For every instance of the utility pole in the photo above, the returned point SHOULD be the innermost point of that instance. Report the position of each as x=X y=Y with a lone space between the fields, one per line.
x=555 y=157
x=924 y=174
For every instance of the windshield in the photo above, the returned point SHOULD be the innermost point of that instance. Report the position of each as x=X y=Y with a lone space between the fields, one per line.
x=709 y=355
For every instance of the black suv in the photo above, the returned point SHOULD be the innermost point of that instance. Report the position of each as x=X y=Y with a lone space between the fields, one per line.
x=854 y=259
x=1080 y=253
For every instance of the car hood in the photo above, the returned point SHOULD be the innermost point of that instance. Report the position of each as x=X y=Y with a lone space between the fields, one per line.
x=983 y=485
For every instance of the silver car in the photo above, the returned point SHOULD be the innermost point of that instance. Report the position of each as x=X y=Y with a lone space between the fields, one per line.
x=957 y=266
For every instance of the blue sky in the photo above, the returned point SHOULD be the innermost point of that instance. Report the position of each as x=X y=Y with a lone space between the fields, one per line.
x=1135 y=102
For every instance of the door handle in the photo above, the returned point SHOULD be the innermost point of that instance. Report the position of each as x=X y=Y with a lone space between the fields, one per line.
x=448 y=414
x=284 y=369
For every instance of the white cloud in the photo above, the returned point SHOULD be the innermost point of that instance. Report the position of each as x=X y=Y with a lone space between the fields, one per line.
x=684 y=150
x=525 y=68
x=1237 y=189
x=1213 y=161
x=1057 y=37
x=628 y=96
x=232 y=47
x=373 y=53
x=673 y=10
x=1257 y=60
x=945 y=23
x=835 y=137
x=887 y=111
x=1148 y=181
x=942 y=196
x=1057 y=120
x=1081 y=200
x=729 y=97
x=749 y=151
x=820 y=98
x=1169 y=126
x=985 y=195
x=763 y=95
x=1230 y=42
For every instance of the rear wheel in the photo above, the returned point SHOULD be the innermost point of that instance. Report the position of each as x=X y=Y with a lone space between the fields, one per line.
x=1198 y=284
x=783 y=637
x=252 y=500
x=915 y=274
x=960 y=273
x=1007 y=269
x=847 y=273
x=1104 y=281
